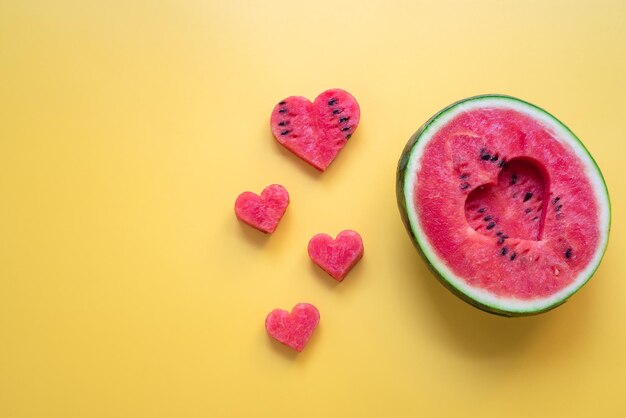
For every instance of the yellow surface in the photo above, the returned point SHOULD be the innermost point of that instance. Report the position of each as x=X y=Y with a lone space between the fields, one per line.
x=129 y=289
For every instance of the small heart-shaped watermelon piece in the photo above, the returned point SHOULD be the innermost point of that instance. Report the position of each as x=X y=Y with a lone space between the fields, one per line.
x=293 y=329
x=317 y=131
x=265 y=211
x=336 y=256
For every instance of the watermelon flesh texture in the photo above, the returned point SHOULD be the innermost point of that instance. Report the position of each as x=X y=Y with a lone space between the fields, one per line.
x=336 y=256
x=505 y=205
x=264 y=211
x=497 y=205
x=316 y=131
x=294 y=329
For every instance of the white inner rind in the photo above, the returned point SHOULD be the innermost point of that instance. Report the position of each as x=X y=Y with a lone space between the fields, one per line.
x=561 y=134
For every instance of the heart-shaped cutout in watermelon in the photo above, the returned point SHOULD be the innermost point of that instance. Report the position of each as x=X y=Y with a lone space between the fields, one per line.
x=511 y=208
x=316 y=131
x=505 y=204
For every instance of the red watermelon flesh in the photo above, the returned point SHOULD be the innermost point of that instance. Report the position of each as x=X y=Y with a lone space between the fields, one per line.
x=293 y=329
x=264 y=211
x=336 y=256
x=504 y=204
x=317 y=131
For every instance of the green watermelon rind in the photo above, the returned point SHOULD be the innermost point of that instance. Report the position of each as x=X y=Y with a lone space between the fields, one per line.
x=431 y=259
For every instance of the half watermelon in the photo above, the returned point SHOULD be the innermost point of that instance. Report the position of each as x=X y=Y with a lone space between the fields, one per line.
x=505 y=204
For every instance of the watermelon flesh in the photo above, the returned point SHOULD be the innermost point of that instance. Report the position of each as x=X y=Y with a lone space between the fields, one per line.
x=511 y=213
x=498 y=205
x=316 y=131
x=264 y=211
x=293 y=328
x=336 y=256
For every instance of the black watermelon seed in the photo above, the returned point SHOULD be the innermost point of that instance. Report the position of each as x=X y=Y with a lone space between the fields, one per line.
x=504 y=250
x=527 y=196
x=502 y=162
x=336 y=111
x=347 y=128
x=528 y=210
x=513 y=178
x=558 y=208
x=556 y=199
x=513 y=255
x=282 y=103
x=494 y=158
x=464 y=185
x=482 y=210
x=568 y=253
x=505 y=236
x=332 y=102
x=535 y=218
x=285 y=132
x=282 y=110
x=491 y=225
x=464 y=176
x=501 y=240
x=348 y=136
x=487 y=218
x=283 y=123
x=499 y=233
x=344 y=119
x=485 y=157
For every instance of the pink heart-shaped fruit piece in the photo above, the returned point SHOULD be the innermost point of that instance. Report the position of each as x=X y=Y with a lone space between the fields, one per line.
x=293 y=329
x=336 y=256
x=317 y=131
x=265 y=211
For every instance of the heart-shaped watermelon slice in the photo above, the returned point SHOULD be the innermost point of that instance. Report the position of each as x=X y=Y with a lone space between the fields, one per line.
x=336 y=256
x=264 y=211
x=316 y=131
x=293 y=329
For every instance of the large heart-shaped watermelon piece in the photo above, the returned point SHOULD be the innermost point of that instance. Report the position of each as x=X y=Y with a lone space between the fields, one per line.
x=316 y=131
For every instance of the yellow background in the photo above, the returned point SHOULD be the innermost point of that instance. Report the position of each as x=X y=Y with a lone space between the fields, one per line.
x=129 y=289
